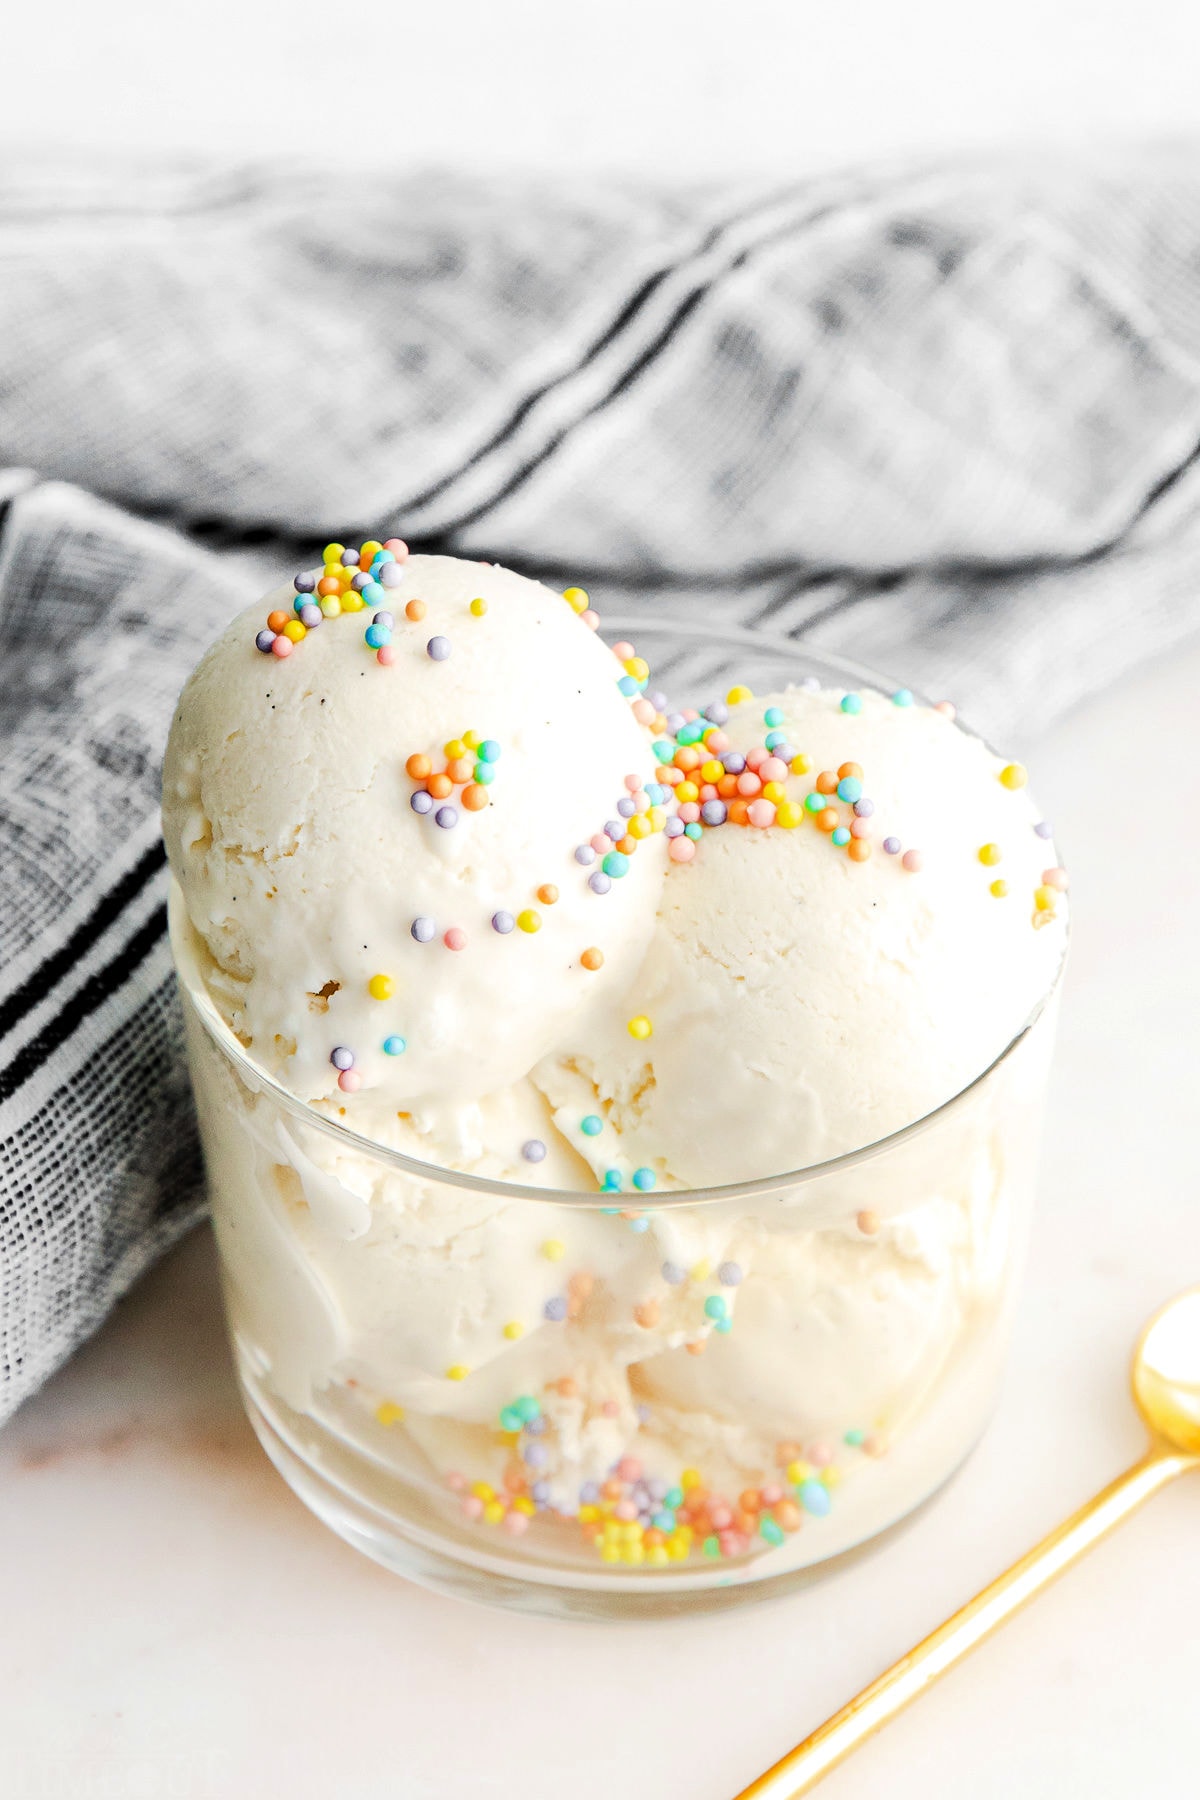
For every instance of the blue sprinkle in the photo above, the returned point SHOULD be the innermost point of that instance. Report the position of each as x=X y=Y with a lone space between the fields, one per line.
x=663 y=750
x=673 y=1275
x=510 y=1419
x=585 y=855
x=628 y=686
x=423 y=928
x=503 y=922
x=673 y=1497
x=692 y=732
x=599 y=882
x=394 y=1046
x=840 y=836
x=715 y=1307
x=902 y=697
x=644 y=1180
x=446 y=817
x=438 y=649
x=488 y=751
x=813 y=1496
x=616 y=864
x=851 y=703
x=855 y=1438
x=485 y=773
x=591 y=1126
x=374 y=593
x=639 y=1225
x=694 y=830
x=773 y=739
x=849 y=789
x=664 y=1520
x=656 y=794
x=612 y=1181
x=382 y=556
x=556 y=1309
x=725 y=1325
x=772 y=716
x=377 y=635
x=527 y=1408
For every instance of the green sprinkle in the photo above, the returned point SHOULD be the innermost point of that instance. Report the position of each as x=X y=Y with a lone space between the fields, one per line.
x=815 y=803
x=771 y=1531
x=591 y=1126
x=711 y=1546
x=855 y=1438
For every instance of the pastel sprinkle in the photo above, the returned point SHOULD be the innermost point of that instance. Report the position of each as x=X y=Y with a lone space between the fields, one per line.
x=438 y=649
x=999 y=889
x=592 y=959
x=644 y=1180
x=533 y=1150
x=852 y=703
x=591 y=1126
x=394 y=1046
x=902 y=697
x=912 y=860
x=730 y=1274
x=455 y=938
x=555 y=1309
x=341 y=1057
x=640 y=1026
x=457 y=1372
x=892 y=845
x=503 y=922
x=529 y=921
x=477 y=608
x=423 y=929
x=1013 y=776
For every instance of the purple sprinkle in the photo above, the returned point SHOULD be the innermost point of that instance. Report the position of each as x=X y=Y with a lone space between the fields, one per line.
x=534 y=1150
x=445 y=816
x=614 y=829
x=535 y=1427
x=310 y=617
x=657 y=1489
x=658 y=700
x=810 y=684
x=585 y=855
x=540 y=1492
x=341 y=1058
x=643 y=1414
x=503 y=922
x=673 y=1274
x=599 y=882
x=784 y=752
x=536 y=1455
x=384 y=618
x=734 y=762
x=892 y=845
x=589 y=1493
x=675 y=722
x=391 y=575
x=304 y=584
x=438 y=649
x=556 y=1309
x=1044 y=828
x=730 y=1274
x=263 y=642
x=421 y=802
x=714 y=812
x=674 y=828
x=864 y=808
x=626 y=807
x=716 y=712
x=423 y=929
x=360 y=581
x=350 y=559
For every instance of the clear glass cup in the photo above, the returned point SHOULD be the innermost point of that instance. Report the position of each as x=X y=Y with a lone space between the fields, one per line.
x=702 y=1473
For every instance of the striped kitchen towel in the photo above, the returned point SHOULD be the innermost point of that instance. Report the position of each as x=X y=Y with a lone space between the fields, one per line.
x=943 y=420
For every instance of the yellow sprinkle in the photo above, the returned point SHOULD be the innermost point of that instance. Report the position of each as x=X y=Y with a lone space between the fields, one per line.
x=381 y=987
x=1014 y=776
x=483 y=1490
x=738 y=694
x=676 y=1548
x=634 y=1553
x=789 y=815
x=999 y=888
x=639 y=1027
x=388 y=1413
x=472 y=739
x=335 y=571
x=295 y=630
x=686 y=1534
x=330 y=606
x=333 y=553
x=638 y=668
x=513 y=1330
x=685 y=791
x=529 y=920
x=370 y=550
x=774 y=791
x=457 y=1372
x=494 y=1511
x=576 y=599
x=525 y=1505
x=588 y=1515
x=831 y=1476
x=701 y=1270
x=455 y=748
x=658 y=1554
x=657 y=817
x=797 y=1472
x=800 y=764
x=712 y=771
x=353 y=601
x=610 y=1552
x=689 y=1479
x=989 y=854
x=1044 y=898
x=640 y=826
x=554 y=1249
x=631 y=1531
x=477 y=607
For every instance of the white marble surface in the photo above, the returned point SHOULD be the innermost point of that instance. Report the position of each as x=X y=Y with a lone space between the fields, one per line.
x=175 y=1626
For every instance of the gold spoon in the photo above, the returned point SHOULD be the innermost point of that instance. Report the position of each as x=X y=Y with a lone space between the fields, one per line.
x=1166 y=1387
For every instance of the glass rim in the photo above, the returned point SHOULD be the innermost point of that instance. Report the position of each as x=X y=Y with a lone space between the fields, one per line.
x=258 y=1078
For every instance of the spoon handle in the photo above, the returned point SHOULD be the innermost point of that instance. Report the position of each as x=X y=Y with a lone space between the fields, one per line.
x=804 y=1766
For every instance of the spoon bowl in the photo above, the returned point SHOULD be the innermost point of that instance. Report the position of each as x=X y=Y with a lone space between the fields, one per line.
x=1166 y=1373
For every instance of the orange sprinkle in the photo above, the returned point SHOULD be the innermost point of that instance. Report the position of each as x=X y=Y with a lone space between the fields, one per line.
x=328 y=584
x=858 y=850
x=827 y=820
x=581 y=1285
x=827 y=782
x=627 y=845
x=688 y=757
x=653 y=1536
x=475 y=798
x=647 y=1314
x=786 y=1453
x=547 y=893
x=415 y=610
x=592 y=958
x=849 y=772
x=277 y=620
x=419 y=767
x=612 y=1490
x=750 y=1500
x=440 y=786
x=739 y=812
x=727 y=786
x=697 y=1347
x=567 y=1386
x=460 y=769
x=787 y=1514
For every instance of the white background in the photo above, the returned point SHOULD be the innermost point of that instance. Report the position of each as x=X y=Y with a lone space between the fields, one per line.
x=172 y=1624
x=661 y=86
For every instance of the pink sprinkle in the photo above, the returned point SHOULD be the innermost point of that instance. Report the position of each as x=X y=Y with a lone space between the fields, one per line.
x=515 y=1523
x=708 y=791
x=473 y=1506
x=913 y=861
x=1055 y=878
x=622 y=651
x=386 y=654
x=398 y=548
x=629 y=1469
x=761 y=813
x=349 y=1081
x=772 y=1494
x=749 y=783
x=455 y=938
x=717 y=742
x=632 y=783
x=947 y=708
x=642 y=711
x=773 y=769
x=756 y=757
x=591 y=620
x=819 y=1455
x=514 y=1479
x=456 y=1482
x=860 y=828
x=721 y=1518
x=670 y=776
x=690 y=715
x=641 y=802
x=874 y=1446
x=283 y=646
x=601 y=843
x=681 y=849
x=689 y=812
x=610 y=1409
x=625 y=1510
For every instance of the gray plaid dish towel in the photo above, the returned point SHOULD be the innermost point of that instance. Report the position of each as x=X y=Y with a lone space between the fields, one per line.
x=945 y=421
